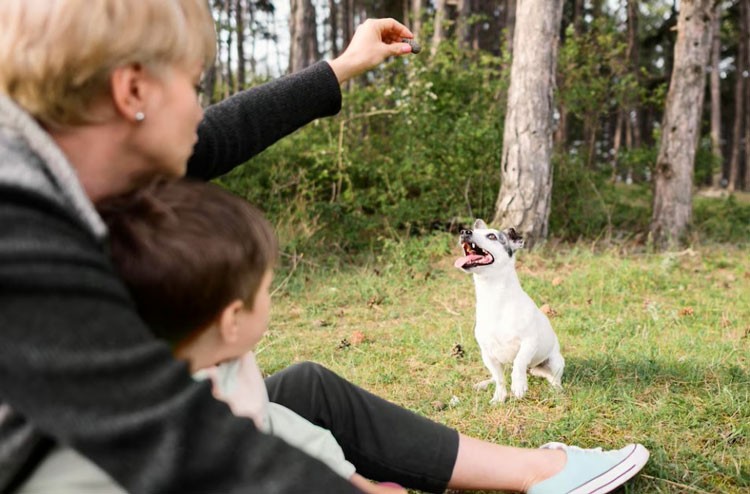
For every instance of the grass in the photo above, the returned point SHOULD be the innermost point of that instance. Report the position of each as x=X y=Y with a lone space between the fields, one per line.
x=657 y=349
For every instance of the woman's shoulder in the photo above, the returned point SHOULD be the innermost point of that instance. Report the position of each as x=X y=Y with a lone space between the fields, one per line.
x=35 y=174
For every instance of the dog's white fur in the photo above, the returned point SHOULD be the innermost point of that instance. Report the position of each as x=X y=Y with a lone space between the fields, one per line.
x=510 y=328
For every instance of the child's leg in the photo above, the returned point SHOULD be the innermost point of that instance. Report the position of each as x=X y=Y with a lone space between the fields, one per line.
x=384 y=441
x=389 y=443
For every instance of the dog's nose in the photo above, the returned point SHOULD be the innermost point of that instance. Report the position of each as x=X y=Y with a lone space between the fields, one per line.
x=465 y=232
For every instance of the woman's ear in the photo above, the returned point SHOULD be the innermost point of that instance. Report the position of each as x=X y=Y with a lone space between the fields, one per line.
x=228 y=321
x=128 y=85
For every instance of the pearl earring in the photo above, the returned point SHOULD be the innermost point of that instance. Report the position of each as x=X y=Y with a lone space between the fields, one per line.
x=140 y=116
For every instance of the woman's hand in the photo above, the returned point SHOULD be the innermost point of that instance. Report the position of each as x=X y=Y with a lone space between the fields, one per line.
x=374 y=41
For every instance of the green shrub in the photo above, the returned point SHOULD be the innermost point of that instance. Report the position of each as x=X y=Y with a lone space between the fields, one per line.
x=416 y=146
x=721 y=220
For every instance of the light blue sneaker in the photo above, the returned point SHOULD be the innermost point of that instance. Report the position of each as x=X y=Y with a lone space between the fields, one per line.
x=593 y=471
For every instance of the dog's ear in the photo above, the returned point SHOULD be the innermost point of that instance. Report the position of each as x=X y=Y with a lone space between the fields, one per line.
x=514 y=238
x=479 y=224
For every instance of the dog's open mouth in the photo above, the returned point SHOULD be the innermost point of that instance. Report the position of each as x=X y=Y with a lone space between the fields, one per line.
x=475 y=256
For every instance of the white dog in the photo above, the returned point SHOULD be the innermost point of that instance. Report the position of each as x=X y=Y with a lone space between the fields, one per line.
x=510 y=329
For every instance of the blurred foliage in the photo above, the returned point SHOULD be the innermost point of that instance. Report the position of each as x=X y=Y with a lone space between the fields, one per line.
x=722 y=219
x=417 y=149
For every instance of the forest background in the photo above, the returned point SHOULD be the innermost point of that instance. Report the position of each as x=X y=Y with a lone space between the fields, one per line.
x=367 y=206
x=419 y=142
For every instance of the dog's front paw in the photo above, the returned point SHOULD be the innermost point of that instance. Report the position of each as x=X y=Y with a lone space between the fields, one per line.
x=519 y=387
x=499 y=397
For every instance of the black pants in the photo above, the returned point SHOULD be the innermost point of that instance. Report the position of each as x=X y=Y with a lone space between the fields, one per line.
x=383 y=441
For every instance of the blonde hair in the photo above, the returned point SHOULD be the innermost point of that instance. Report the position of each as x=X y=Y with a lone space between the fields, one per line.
x=56 y=56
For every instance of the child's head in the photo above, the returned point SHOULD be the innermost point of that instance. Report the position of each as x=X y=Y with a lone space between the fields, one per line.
x=194 y=257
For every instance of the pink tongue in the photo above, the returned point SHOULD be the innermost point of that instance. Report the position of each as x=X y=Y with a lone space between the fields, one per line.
x=463 y=261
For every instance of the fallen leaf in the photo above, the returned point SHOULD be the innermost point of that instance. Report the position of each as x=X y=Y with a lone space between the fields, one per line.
x=549 y=311
x=687 y=311
x=357 y=337
x=557 y=281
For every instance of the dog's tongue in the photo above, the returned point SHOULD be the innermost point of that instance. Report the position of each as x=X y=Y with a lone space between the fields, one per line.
x=463 y=261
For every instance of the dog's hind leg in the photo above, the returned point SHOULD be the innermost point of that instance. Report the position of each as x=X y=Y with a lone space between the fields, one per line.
x=556 y=365
x=551 y=369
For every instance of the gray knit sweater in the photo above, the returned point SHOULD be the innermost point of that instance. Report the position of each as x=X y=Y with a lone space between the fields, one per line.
x=78 y=366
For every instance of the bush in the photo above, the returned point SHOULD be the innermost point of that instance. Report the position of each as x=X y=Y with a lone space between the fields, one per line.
x=417 y=146
x=721 y=220
x=586 y=204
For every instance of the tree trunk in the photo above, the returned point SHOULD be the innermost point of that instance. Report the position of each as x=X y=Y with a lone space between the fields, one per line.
x=333 y=23
x=347 y=22
x=747 y=100
x=303 y=48
x=230 y=87
x=438 y=34
x=526 y=168
x=253 y=41
x=740 y=66
x=620 y=125
x=578 y=16
x=716 y=86
x=672 y=209
x=510 y=23
x=239 y=14
x=632 y=120
x=462 y=23
x=416 y=17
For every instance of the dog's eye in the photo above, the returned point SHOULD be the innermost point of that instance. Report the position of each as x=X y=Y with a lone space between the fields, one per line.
x=492 y=236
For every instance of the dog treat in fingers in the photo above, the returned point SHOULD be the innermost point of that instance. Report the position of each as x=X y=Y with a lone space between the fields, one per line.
x=415 y=47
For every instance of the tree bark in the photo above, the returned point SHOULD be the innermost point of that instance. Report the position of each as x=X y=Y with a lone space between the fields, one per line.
x=462 y=23
x=347 y=22
x=619 y=127
x=230 y=87
x=239 y=14
x=526 y=168
x=438 y=34
x=333 y=17
x=510 y=23
x=416 y=20
x=633 y=118
x=672 y=208
x=716 y=85
x=747 y=100
x=740 y=66
x=303 y=48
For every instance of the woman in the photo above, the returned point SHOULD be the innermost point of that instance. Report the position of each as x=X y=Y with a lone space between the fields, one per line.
x=97 y=98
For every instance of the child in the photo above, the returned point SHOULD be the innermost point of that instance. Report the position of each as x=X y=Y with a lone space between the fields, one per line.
x=207 y=294
x=199 y=272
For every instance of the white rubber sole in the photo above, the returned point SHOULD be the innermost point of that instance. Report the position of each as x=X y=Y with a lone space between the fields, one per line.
x=617 y=475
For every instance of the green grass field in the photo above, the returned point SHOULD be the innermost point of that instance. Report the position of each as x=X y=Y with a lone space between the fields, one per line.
x=657 y=348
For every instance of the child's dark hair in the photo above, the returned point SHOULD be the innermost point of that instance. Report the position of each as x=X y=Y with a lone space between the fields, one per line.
x=186 y=250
